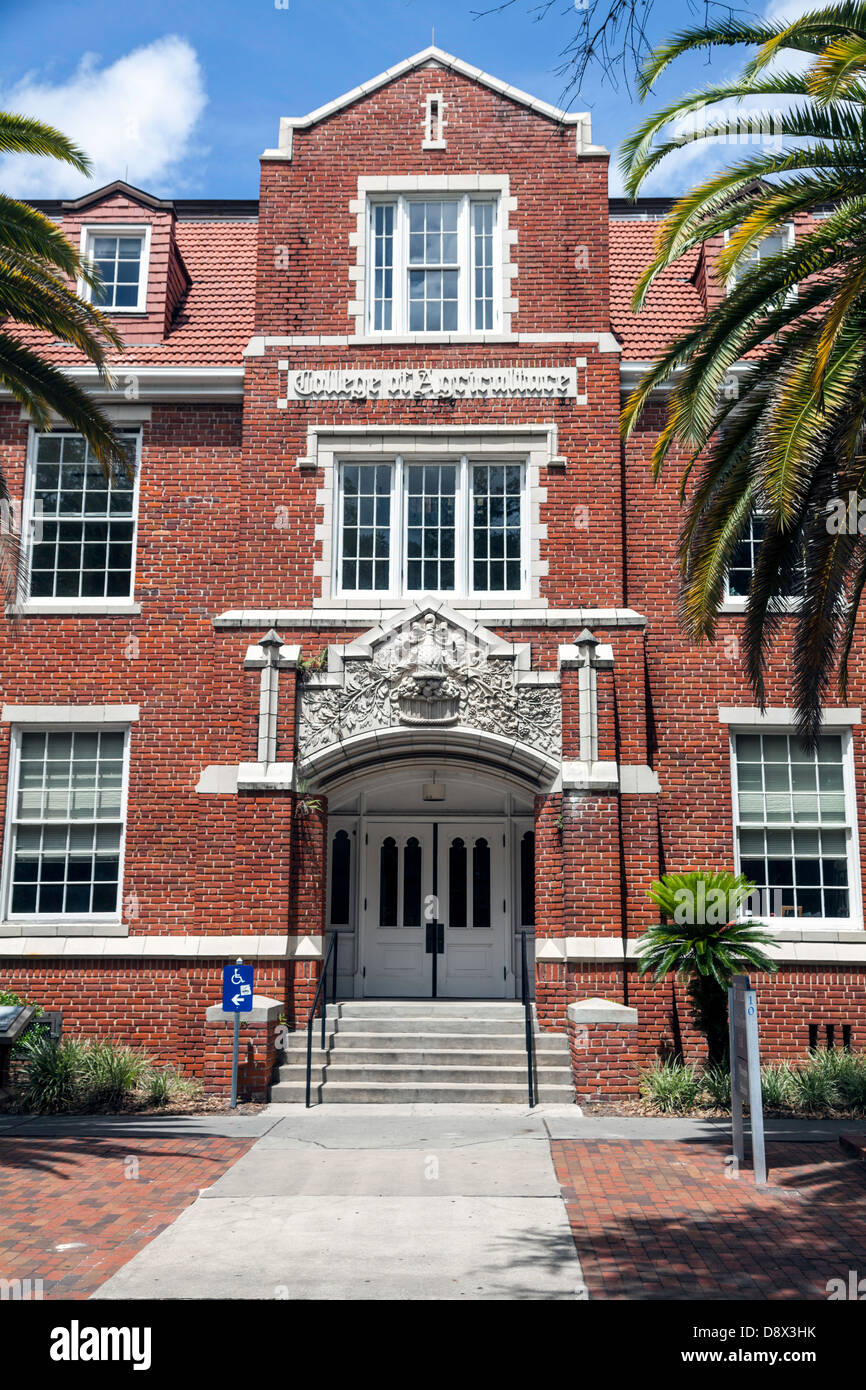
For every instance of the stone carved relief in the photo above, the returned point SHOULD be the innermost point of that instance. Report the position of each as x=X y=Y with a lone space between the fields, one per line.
x=429 y=674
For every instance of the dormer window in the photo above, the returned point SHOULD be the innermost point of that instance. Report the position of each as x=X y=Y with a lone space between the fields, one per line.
x=120 y=256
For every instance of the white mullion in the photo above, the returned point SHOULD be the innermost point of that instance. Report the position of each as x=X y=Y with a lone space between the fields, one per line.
x=400 y=316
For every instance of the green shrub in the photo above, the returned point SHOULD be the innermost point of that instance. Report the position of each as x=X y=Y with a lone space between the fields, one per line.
x=717 y=1084
x=163 y=1085
x=673 y=1086
x=52 y=1076
x=851 y=1082
x=813 y=1086
x=776 y=1085
x=111 y=1071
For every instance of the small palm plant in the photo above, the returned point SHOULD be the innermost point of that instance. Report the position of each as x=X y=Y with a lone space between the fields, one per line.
x=702 y=938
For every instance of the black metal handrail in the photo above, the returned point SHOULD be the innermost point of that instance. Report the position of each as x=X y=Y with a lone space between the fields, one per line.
x=321 y=993
x=527 y=1015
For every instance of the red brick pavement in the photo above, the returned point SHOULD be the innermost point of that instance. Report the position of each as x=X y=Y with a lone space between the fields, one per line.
x=103 y=1197
x=662 y=1220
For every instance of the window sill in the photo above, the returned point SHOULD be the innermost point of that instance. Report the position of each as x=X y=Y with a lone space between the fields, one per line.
x=74 y=608
x=70 y=927
x=739 y=605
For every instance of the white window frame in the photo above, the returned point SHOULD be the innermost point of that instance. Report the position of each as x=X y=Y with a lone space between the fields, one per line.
x=854 y=922
x=95 y=229
x=60 y=924
x=462 y=591
x=107 y=604
x=788 y=228
x=465 y=302
x=738 y=603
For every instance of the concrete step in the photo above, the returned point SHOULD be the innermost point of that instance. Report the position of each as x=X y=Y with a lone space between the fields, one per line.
x=427 y=1056
x=425 y=1008
x=545 y=1043
x=429 y=1093
x=372 y=1072
x=428 y=1023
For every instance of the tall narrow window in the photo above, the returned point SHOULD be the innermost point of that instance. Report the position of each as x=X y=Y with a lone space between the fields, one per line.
x=389 y=864
x=482 y=265
x=82 y=522
x=433 y=267
x=457 y=883
x=412 y=883
x=430 y=526
x=481 y=884
x=496 y=507
x=366 y=526
x=793 y=827
x=67 y=826
x=383 y=267
x=341 y=878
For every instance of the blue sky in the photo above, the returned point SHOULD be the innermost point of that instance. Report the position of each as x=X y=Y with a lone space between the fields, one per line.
x=181 y=96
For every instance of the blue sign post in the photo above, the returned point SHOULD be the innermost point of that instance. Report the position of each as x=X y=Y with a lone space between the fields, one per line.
x=237 y=1000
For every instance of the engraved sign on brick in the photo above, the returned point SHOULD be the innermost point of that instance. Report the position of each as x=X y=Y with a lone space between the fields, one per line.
x=432 y=383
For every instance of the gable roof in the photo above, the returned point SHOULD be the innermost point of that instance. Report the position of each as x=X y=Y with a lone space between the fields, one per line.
x=137 y=195
x=436 y=57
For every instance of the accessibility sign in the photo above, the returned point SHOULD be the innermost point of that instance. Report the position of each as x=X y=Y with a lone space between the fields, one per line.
x=237 y=989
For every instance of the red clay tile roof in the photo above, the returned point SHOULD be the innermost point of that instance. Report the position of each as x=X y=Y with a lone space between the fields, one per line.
x=673 y=304
x=215 y=322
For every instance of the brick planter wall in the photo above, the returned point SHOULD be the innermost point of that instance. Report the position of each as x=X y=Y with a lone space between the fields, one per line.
x=602 y=1038
x=257 y=1050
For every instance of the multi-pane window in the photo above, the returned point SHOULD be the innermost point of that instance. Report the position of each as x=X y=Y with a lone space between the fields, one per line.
x=434 y=268
x=496 y=511
x=383 y=267
x=433 y=265
x=67 y=823
x=431 y=526
x=82 y=521
x=118 y=257
x=793 y=826
x=412 y=527
x=770 y=245
x=742 y=564
x=482 y=265
x=365 y=526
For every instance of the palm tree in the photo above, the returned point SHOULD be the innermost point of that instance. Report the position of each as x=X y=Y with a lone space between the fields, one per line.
x=702 y=939
x=39 y=272
x=787 y=441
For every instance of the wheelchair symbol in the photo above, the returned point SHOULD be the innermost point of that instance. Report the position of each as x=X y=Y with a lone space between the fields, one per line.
x=237 y=978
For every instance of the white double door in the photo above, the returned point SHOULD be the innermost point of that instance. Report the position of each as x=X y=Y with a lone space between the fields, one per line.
x=435 y=910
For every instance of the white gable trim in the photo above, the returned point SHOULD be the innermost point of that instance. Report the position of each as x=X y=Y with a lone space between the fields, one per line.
x=432 y=56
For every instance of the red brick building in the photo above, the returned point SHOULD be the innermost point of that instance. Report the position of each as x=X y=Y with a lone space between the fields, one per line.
x=383 y=633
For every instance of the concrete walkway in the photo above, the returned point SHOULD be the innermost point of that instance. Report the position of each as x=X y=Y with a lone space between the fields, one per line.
x=374 y=1202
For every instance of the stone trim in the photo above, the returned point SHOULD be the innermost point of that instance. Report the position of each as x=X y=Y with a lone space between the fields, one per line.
x=775 y=714
x=829 y=947
x=223 y=948
x=342 y=614
x=603 y=342
x=602 y=1011
x=69 y=714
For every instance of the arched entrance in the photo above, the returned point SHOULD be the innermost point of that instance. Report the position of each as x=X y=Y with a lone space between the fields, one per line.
x=430 y=880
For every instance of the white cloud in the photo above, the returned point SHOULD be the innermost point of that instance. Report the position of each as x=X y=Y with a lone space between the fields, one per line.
x=134 y=119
